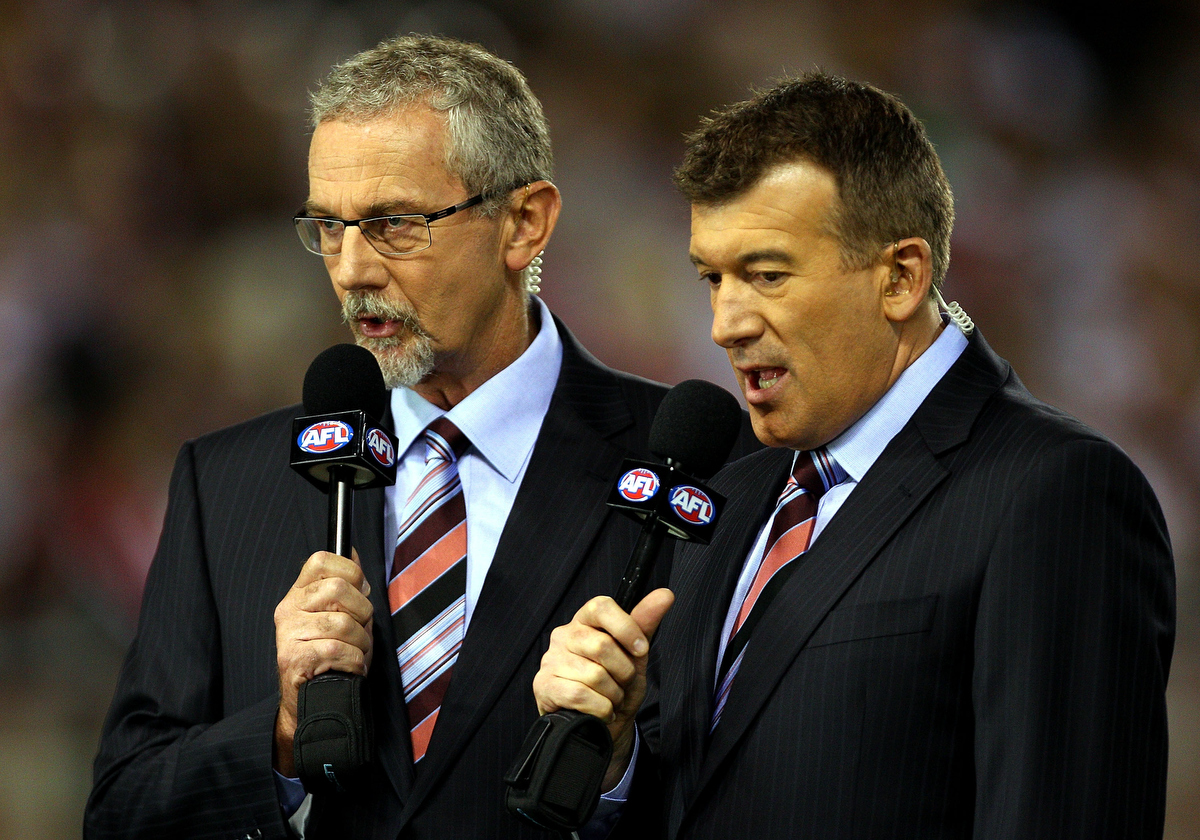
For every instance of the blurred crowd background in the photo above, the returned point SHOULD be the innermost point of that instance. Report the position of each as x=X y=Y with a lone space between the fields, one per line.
x=152 y=287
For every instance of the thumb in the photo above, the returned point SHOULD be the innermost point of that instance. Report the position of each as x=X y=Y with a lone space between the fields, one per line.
x=365 y=588
x=650 y=610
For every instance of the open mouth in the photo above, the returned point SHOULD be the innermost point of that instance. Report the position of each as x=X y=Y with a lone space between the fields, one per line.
x=762 y=385
x=763 y=379
x=374 y=326
x=374 y=317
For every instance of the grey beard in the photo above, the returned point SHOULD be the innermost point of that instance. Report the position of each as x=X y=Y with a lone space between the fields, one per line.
x=405 y=358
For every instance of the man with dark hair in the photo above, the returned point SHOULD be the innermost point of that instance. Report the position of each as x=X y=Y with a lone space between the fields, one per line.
x=937 y=607
x=429 y=202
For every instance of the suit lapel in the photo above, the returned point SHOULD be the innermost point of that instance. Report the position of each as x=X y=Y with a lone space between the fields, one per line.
x=539 y=553
x=898 y=483
x=393 y=746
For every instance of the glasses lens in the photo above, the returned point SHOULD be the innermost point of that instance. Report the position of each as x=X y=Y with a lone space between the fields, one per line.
x=321 y=236
x=397 y=234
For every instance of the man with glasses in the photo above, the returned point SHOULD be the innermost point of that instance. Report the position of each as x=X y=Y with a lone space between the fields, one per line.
x=429 y=202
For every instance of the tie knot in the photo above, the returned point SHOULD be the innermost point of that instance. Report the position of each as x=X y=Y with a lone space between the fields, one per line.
x=444 y=440
x=815 y=472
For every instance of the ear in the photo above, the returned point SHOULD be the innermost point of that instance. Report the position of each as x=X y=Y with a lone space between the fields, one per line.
x=910 y=279
x=534 y=213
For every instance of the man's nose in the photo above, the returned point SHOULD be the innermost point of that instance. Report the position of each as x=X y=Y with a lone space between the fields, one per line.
x=735 y=320
x=359 y=265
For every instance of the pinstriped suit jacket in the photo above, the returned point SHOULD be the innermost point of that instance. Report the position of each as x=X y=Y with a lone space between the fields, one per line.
x=977 y=645
x=186 y=750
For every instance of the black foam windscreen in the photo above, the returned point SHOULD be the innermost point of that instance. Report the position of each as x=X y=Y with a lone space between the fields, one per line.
x=696 y=426
x=345 y=377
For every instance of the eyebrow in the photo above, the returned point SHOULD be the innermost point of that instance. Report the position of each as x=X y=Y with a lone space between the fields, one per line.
x=765 y=255
x=388 y=208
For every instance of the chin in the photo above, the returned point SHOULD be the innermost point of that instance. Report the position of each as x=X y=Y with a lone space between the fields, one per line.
x=772 y=429
x=764 y=429
x=403 y=364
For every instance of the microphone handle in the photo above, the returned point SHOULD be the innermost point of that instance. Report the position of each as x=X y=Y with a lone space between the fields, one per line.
x=555 y=780
x=641 y=562
x=334 y=735
x=341 y=510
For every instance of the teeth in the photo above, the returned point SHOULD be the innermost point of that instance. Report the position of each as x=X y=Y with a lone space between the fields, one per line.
x=764 y=382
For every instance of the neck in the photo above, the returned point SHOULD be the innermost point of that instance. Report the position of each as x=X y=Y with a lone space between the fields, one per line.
x=455 y=378
x=916 y=335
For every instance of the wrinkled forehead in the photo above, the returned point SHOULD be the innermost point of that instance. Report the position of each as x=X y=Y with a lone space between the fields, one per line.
x=792 y=204
x=397 y=160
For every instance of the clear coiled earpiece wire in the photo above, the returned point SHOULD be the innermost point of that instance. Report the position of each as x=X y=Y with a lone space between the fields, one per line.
x=532 y=275
x=956 y=313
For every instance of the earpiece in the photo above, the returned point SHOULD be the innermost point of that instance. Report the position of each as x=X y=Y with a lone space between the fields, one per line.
x=956 y=313
x=532 y=275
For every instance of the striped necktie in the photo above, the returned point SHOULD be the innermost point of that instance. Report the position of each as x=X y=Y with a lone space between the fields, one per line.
x=427 y=592
x=791 y=533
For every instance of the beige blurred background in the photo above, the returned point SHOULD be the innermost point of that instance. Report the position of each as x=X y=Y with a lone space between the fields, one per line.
x=152 y=288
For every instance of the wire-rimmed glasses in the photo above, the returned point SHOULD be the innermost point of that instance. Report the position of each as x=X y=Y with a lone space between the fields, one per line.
x=404 y=233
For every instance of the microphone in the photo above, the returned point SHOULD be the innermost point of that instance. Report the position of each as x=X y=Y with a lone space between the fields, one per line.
x=339 y=447
x=555 y=780
x=693 y=432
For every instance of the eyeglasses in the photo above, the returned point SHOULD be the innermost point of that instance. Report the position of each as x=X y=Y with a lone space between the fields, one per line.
x=389 y=235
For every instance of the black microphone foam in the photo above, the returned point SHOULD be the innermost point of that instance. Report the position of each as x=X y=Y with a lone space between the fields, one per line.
x=696 y=427
x=345 y=377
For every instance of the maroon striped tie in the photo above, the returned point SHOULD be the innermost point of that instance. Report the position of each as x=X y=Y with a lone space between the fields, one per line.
x=791 y=533
x=427 y=592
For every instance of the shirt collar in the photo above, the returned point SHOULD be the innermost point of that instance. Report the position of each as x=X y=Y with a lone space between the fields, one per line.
x=857 y=448
x=503 y=416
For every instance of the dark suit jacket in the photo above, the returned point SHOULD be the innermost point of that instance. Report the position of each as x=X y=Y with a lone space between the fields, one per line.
x=186 y=750
x=977 y=645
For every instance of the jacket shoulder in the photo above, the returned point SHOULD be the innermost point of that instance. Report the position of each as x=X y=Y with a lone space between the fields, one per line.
x=260 y=443
x=1026 y=424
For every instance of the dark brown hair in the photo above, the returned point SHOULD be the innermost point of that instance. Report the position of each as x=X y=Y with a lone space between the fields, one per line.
x=889 y=180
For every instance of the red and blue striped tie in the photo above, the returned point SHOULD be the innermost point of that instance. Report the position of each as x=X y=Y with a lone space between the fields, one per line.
x=791 y=533
x=427 y=592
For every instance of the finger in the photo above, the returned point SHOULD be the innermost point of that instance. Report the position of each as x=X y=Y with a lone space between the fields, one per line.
x=578 y=646
x=603 y=679
x=321 y=655
x=603 y=613
x=365 y=588
x=554 y=693
x=333 y=626
x=333 y=595
x=324 y=564
x=649 y=612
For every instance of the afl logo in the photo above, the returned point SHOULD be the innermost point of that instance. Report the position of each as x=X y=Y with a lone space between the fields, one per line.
x=638 y=485
x=381 y=447
x=691 y=504
x=326 y=436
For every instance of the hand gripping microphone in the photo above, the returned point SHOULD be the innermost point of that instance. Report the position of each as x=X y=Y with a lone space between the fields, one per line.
x=555 y=780
x=339 y=447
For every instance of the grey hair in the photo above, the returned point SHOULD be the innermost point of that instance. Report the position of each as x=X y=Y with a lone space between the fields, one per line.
x=497 y=135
